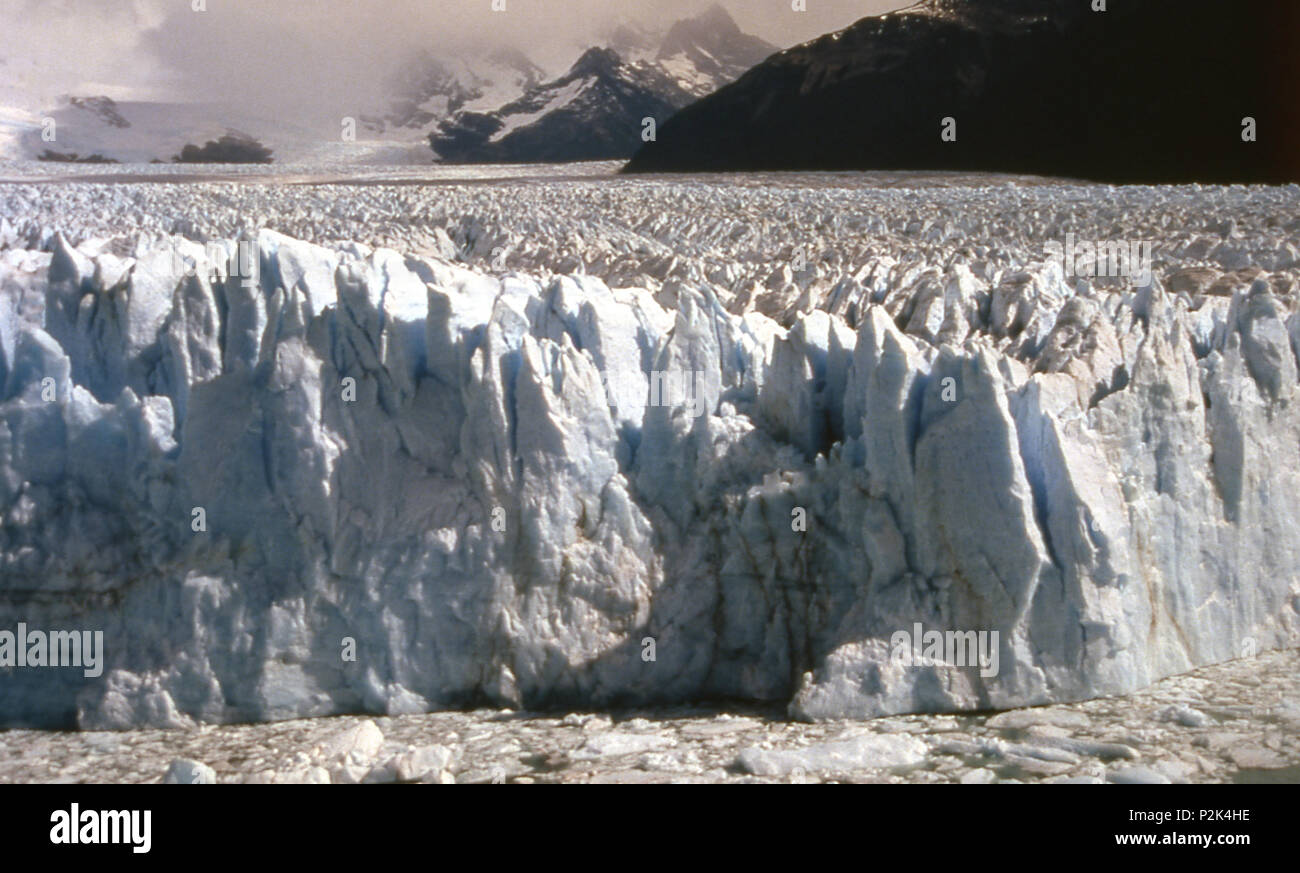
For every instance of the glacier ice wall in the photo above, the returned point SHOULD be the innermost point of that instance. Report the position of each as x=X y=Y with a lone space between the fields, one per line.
x=460 y=473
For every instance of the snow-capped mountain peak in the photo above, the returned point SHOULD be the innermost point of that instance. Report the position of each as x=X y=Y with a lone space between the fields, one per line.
x=592 y=112
x=710 y=50
x=712 y=28
x=595 y=62
x=596 y=110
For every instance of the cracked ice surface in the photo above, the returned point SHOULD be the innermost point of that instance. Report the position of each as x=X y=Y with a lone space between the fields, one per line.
x=1233 y=722
x=1106 y=475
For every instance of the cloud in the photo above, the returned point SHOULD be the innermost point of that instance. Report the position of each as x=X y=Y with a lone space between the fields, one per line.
x=54 y=47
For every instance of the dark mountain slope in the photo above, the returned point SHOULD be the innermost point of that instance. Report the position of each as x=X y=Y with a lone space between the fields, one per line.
x=1148 y=91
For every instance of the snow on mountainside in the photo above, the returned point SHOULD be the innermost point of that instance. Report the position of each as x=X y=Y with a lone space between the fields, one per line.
x=706 y=52
x=595 y=110
x=500 y=474
x=592 y=112
x=429 y=88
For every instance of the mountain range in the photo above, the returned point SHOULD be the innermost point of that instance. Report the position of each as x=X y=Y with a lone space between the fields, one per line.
x=597 y=109
x=471 y=107
x=1159 y=91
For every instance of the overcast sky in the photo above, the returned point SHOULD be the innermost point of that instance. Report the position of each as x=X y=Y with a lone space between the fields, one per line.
x=325 y=51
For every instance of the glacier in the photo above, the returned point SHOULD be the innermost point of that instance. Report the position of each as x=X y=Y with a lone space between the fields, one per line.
x=403 y=473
